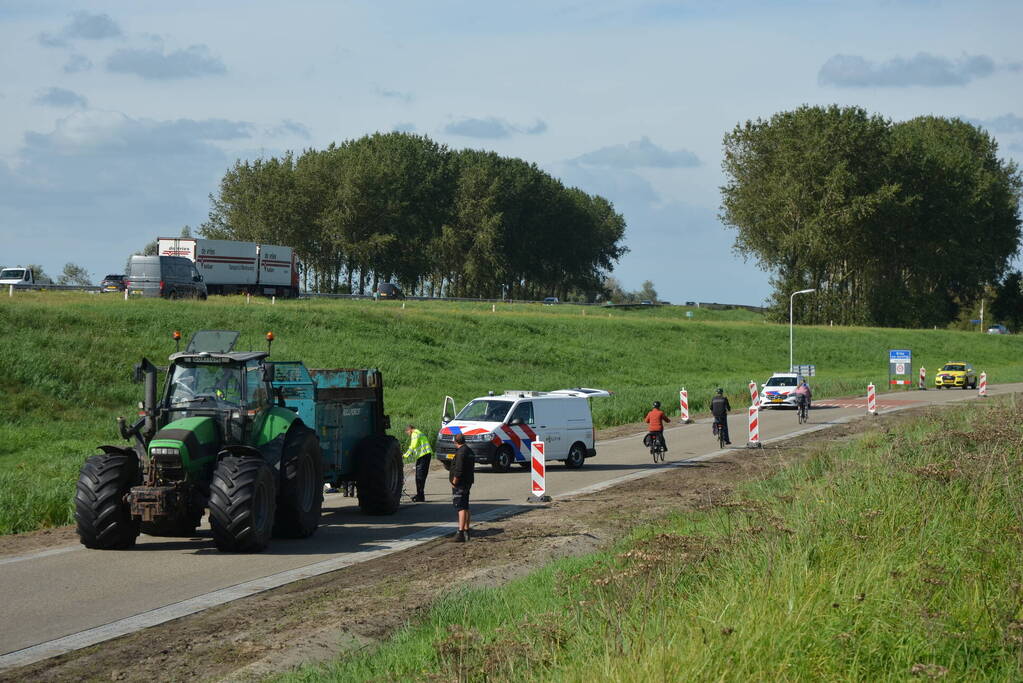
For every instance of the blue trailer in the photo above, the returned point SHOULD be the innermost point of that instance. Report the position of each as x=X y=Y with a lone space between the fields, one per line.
x=347 y=408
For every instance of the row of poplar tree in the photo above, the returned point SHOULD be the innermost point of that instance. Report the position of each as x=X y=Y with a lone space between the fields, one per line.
x=401 y=208
x=894 y=224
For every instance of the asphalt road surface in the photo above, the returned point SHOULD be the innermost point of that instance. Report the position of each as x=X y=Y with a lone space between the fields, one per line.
x=68 y=597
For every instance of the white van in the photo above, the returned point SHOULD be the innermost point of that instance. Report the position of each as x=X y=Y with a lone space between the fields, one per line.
x=500 y=429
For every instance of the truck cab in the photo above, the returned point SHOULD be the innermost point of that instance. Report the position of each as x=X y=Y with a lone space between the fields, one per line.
x=17 y=276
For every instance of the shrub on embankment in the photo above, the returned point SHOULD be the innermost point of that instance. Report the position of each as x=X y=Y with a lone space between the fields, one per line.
x=892 y=557
x=66 y=363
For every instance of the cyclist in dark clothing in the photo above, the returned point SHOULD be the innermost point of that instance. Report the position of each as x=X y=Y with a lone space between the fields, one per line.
x=461 y=476
x=719 y=408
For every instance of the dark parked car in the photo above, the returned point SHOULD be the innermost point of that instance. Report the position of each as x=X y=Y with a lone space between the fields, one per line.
x=112 y=283
x=388 y=290
x=170 y=277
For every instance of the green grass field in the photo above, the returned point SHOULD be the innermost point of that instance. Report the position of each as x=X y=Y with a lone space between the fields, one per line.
x=892 y=557
x=66 y=363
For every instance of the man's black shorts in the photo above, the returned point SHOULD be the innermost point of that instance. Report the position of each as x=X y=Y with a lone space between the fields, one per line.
x=460 y=497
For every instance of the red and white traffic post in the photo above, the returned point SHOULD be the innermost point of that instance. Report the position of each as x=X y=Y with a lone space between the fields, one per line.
x=754 y=427
x=683 y=407
x=923 y=379
x=538 y=482
x=754 y=395
x=871 y=400
x=982 y=387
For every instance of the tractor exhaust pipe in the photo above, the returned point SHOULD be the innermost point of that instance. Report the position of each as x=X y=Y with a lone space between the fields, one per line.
x=146 y=372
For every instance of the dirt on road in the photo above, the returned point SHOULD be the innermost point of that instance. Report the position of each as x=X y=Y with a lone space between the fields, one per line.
x=315 y=619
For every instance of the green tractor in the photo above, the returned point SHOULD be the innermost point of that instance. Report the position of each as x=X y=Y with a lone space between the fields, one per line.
x=250 y=441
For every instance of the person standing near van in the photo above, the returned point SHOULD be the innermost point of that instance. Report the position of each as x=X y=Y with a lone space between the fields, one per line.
x=719 y=408
x=655 y=420
x=418 y=451
x=461 y=477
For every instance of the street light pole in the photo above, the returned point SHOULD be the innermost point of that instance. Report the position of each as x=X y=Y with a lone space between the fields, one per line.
x=791 y=300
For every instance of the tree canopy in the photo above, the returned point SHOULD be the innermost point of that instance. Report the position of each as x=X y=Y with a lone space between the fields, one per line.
x=399 y=207
x=897 y=224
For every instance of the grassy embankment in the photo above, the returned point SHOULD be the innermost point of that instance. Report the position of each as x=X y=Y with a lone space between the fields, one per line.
x=66 y=361
x=892 y=557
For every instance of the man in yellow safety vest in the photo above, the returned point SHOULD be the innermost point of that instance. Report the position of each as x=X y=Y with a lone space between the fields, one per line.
x=420 y=452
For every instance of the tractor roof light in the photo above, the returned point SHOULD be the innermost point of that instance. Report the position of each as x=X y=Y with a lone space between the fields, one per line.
x=176 y=335
x=269 y=341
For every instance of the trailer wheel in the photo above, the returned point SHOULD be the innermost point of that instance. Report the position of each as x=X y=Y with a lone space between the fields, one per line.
x=300 y=502
x=102 y=514
x=576 y=456
x=242 y=504
x=380 y=475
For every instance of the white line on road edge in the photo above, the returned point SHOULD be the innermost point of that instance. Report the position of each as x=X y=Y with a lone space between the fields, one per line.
x=121 y=627
x=41 y=553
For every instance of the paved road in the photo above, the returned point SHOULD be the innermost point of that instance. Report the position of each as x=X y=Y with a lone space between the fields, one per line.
x=54 y=594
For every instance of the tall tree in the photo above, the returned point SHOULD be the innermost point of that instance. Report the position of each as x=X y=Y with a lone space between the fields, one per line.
x=74 y=274
x=845 y=202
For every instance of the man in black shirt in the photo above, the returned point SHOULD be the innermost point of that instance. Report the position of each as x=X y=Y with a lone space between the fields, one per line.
x=719 y=408
x=461 y=476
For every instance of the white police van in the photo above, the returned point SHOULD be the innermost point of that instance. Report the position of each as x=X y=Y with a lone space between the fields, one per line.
x=501 y=428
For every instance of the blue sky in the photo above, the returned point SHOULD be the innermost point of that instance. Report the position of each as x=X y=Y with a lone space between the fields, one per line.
x=118 y=121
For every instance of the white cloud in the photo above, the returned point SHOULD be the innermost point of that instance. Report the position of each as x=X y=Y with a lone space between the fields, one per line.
x=639 y=154
x=388 y=94
x=77 y=64
x=156 y=64
x=492 y=128
x=853 y=71
x=61 y=97
x=1006 y=123
x=83 y=26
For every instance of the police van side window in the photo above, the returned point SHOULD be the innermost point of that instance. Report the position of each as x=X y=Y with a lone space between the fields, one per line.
x=524 y=412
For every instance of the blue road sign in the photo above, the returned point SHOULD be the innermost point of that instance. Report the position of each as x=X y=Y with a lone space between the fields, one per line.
x=900 y=356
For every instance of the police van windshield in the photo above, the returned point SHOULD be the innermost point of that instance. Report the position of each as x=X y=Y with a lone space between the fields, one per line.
x=484 y=410
x=194 y=384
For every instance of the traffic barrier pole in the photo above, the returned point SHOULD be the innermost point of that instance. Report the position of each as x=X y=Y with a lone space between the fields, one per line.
x=754 y=427
x=923 y=379
x=982 y=388
x=273 y=300
x=125 y=294
x=754 y=395
x=10 y=292
x=683 y=405
x=538 y=482
x=871 y=400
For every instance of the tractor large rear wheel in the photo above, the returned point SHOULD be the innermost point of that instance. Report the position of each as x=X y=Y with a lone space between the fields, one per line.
x=301 y=500
x=242 y=504
x=102 y=514
x=380 y=475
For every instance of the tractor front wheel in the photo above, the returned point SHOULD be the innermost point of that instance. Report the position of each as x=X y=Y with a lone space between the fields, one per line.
x=301 y=500
x=380 y=475
x=102 y=514
x=242 y=504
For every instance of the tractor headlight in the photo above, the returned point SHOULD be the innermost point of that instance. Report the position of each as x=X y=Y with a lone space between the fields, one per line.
x=160 y=450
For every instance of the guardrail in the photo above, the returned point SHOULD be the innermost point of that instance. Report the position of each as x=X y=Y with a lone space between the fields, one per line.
x=324 y=295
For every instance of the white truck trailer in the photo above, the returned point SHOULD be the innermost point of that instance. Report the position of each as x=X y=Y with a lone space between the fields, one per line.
x=230 y=267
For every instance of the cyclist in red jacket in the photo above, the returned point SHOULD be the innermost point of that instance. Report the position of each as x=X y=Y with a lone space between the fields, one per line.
x=655 y=420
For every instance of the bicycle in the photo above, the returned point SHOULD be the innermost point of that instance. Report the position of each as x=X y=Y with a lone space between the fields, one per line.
x=657 y=448
x=803 y=411
x=719 y=433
